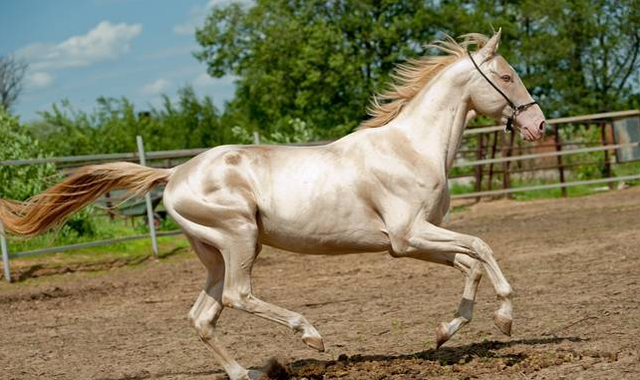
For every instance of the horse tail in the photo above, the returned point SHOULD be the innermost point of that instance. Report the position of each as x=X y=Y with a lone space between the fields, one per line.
x=52 y=207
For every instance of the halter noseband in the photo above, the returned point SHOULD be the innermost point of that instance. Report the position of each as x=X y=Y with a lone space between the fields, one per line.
x=515 y=109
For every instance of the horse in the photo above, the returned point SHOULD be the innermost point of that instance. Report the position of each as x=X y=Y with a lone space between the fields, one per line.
x=381 y=188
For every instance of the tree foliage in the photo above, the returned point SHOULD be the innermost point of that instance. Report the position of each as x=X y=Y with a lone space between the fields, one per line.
x=315 y=61
x=576 y=57
x=188 y=122
x=17 y=144
x=320 y=61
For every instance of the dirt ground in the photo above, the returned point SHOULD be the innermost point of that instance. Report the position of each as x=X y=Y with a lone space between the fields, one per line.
x=574 y=264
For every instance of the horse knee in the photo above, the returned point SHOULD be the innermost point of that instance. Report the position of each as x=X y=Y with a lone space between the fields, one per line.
x=237 y=298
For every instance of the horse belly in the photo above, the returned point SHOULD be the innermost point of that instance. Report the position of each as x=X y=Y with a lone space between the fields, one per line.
x=324 y=232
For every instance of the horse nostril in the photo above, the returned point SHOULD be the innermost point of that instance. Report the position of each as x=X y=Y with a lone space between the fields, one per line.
x=542 y=125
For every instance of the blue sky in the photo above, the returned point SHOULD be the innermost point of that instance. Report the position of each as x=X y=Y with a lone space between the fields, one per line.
x=80 y=50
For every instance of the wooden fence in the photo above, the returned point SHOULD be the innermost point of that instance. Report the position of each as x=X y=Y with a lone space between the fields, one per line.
x=496 y=152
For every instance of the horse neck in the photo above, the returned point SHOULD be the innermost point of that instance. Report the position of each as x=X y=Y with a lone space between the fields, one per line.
x=435 y=119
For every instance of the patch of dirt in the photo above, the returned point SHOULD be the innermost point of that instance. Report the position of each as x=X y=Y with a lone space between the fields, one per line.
x=574 y=265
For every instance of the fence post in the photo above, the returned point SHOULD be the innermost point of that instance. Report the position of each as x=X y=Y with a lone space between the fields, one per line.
x=607 y=162
x=563 y=189
x=506 y=177
x=147 y=198
x=493 y=155
x=479 y=168
x=5 y=255
x=256 y=137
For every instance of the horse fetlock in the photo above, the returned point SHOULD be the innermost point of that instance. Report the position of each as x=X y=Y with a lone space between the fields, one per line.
x=504 y=292
x=243 y=374
x=299 y=323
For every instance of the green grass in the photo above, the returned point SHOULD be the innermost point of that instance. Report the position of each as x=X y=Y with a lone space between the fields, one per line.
x=572 y=191
x=131 y=252
x=95 y=226
x=100 y=228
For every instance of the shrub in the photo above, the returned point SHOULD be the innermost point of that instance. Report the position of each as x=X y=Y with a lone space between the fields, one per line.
x=21 y=182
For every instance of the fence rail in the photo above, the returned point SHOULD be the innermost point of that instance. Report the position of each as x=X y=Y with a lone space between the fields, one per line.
x=544 y=187
x=546 y=154
x=163 y=154
x=562 y=120
x=483 y=148
x=93 y=244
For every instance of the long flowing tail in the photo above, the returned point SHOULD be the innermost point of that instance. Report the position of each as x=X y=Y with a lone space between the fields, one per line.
x=52 y=207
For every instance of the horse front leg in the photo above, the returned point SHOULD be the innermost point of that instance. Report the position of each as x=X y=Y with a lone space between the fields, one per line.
x=472 y=270
x=425 y=241
x=473 y=274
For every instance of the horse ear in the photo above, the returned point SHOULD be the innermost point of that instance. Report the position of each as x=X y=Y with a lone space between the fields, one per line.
x=491 y=47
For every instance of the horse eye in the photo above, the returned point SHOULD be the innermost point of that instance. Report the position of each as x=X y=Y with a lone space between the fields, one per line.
x=506 y=78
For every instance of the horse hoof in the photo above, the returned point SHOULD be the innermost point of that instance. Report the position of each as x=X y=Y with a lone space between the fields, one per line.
x=314 y=342
x=503 y=323
x=442 y=334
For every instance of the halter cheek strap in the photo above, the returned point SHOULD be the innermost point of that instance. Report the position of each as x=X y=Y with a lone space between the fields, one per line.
x=515 y=110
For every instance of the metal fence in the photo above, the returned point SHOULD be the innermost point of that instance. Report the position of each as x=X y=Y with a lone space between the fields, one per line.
x=485 y=154
x=140 y=156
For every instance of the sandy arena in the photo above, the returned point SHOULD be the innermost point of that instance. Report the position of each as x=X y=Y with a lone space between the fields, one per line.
x=574 y=265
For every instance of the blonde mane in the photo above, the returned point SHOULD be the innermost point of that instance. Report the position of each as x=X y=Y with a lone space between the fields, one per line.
x=411 y=77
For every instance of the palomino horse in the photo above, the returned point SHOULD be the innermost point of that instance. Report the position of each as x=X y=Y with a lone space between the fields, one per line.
x=381 y=188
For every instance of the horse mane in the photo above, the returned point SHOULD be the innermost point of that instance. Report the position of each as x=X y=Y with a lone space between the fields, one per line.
x=411 y=77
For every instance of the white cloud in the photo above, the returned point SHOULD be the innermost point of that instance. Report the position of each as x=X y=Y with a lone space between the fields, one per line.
x=205 y=80
x=106 y=41
x=184 y=29
x=38 y=80
x=156 y=87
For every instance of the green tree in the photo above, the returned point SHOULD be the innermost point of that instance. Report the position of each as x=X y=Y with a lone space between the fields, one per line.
x=575 y=56
x=190 y=123
x=314 y=61
x=321 y=61
x=18 y=144
x=112 y=126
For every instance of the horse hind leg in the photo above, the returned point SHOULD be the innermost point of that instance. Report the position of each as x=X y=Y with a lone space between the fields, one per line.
x=208 y=307
x=239 y=255
x=426 y=241
x=472 y=270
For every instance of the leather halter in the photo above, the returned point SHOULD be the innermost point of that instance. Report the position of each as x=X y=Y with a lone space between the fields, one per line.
x=516 y=110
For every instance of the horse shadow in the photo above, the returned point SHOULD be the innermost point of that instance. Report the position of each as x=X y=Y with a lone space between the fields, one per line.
x=314 y=368
x=444 y=356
